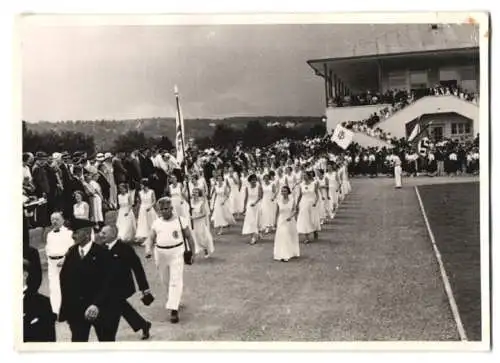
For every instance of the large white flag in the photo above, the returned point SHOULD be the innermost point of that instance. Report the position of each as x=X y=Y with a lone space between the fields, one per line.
x=342 y=136
x=179 y=129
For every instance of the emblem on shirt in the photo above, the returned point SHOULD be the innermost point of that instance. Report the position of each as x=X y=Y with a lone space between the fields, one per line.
x=175 y=234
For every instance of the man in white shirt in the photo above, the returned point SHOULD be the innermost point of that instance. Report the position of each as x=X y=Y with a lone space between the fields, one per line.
x=167 y=236
x=59 y=240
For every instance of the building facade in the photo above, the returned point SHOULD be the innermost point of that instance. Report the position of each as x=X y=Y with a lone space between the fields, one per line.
x=445 y=63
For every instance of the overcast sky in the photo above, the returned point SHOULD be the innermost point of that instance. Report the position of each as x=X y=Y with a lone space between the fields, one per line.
x=116 y=72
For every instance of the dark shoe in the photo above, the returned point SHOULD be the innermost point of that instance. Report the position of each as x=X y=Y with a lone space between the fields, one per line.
x=145 y=331
x=174 y=317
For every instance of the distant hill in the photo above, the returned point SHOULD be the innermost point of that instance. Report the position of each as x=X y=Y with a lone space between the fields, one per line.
x=105 y=132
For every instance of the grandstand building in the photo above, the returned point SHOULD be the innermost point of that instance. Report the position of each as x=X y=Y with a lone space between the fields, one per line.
x=437 y=66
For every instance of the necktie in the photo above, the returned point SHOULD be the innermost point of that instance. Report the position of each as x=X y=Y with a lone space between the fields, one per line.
x=82 y=253
x=56 y=230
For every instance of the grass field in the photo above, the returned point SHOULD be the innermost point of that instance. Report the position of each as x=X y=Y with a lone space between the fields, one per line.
x=372 y=276
x=453 y=213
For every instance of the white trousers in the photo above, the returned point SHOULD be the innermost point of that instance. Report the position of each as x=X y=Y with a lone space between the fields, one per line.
x=170 y=265
x=397 y=176
x=54 y=285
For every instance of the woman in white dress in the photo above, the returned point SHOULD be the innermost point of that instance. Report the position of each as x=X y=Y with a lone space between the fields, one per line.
x=286 y=240
x=333 y=187
x=201 y=229
x=345 y=181
x=147 y=214
x=340 y=174
x=397 y=171
x=253 y=197
x=198 y=182
x=178 y=197
x=308 y=218
x=296 y=181
x=281 y=178
x=221 y=215
x=96 y=199
x=125 y=222
x=268 y=204
x=324 y=196
x=81 y=209
x=235 y=205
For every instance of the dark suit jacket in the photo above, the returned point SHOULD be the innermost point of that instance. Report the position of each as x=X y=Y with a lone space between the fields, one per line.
x=105 y=187
x=147 y=167
x=39 y=320
x=53 y=182
x=34 y=280
x=40 y=180
x=87 y=281
x=133 y=172
x=128 y=263
x=119 y=171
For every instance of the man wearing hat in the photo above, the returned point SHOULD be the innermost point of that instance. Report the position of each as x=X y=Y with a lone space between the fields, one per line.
x=42 y=188
x=88 y=288
x=38 y=318
x=57 y=180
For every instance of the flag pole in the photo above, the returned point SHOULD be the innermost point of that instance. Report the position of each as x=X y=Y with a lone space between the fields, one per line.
x=181 y=121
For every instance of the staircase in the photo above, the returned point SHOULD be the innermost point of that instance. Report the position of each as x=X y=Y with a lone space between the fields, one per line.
x=395 y=124
x=369 y=141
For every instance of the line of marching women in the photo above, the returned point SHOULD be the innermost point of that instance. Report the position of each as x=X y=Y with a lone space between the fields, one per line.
x=291 y=200
x=254 y=195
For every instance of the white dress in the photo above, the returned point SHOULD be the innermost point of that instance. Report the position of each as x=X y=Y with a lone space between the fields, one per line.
x=283 y=180
x=346 y=180
x=342 y=186
x=96 y=202
x=222 y=216
x=333 y=187
x=323 y=202
x=126 y=224
x=286 y=240
x=397 y=172
x=308 y=218
x=202 y=185
x=181 y=207
x=252 y=221
x=268 y=206
x=81 y=210
x=235 y=196
x=145 y=219
x=201 y=230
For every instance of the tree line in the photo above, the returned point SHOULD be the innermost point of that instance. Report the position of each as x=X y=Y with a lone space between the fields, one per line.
x=255 y=134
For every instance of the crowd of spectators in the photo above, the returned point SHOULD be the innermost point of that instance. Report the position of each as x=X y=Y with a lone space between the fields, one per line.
x=398 y=99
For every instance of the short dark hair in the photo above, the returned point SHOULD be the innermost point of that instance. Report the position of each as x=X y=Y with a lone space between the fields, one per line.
x=287 y=188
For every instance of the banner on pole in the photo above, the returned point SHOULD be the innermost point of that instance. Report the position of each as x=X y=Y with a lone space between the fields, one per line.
x=342 y=136
x=179 y=130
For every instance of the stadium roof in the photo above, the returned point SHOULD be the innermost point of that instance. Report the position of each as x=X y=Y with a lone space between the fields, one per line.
x=388 y=40
x=403 y=38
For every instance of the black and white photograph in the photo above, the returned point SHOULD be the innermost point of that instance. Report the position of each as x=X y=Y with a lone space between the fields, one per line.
x=307 y=180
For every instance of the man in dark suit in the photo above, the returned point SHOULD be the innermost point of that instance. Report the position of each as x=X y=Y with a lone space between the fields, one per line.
x=88 y=288
x=119 y=171
x=127 y=263
x=31 y=255
x=38 y=318
x=42 y=188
